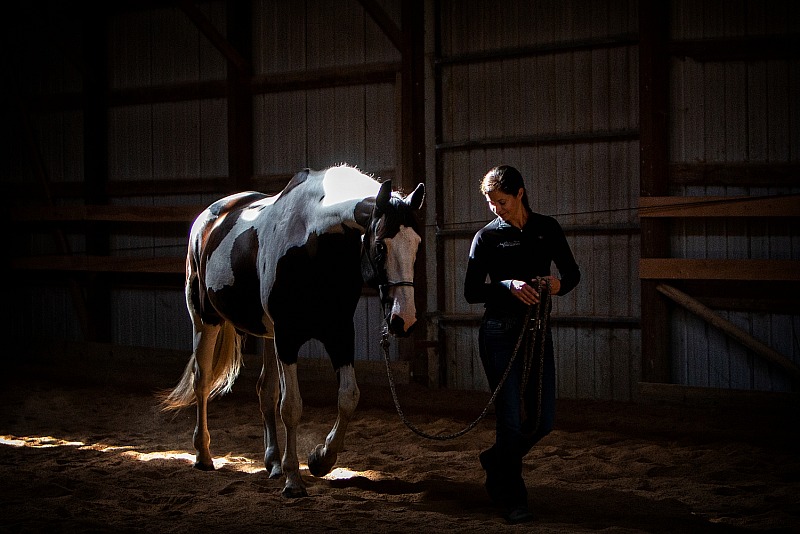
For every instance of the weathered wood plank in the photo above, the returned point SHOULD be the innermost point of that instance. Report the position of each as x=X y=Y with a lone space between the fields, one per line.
x=105 y=264
x=731 y=330
x=139 y=214
x=710 y=269
x=720 y=206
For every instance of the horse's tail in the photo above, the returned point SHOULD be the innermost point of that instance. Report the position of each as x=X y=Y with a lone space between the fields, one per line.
x=226 y=363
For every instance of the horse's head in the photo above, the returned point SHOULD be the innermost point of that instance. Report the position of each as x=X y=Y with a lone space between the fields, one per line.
x=390 y=248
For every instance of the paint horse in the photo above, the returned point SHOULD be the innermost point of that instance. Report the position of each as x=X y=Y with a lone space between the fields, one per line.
x=291 y=267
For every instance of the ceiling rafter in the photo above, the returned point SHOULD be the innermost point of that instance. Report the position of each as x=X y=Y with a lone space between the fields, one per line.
x=218 y=40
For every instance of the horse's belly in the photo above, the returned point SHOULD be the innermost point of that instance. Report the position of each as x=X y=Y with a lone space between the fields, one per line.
x=245 y=313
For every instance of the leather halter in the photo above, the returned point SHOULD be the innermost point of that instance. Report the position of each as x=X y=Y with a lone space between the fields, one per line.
x=378 y=266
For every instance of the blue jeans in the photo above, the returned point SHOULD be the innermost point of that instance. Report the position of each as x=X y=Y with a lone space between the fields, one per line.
x=514 y=437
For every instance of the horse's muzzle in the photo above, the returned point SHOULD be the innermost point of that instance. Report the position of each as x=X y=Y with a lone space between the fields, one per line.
x=397 y=326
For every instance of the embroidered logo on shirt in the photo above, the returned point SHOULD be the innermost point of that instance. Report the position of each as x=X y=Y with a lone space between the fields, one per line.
x=505 y=244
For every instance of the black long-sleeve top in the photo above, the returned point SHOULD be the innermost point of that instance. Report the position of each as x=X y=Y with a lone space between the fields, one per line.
x=504 y=253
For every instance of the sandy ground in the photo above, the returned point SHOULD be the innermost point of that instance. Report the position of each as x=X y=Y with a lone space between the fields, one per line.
x=90 y=457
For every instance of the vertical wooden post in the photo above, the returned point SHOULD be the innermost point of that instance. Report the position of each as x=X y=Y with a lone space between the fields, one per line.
x=240 y=107
x=441 y=298
x=95 y=162
x=654 y=154
x=412 y=156
x=240 y=97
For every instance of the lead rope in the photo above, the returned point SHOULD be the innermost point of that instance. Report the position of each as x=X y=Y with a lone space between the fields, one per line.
x=473 y=424
x=538 y=336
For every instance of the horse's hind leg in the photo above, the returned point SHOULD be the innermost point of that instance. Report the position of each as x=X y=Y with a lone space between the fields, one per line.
x=205 y=339
x=268 y=397
x=323 y=457
x=291 y=408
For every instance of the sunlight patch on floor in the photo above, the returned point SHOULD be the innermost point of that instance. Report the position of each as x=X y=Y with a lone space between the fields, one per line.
x=39 y=442
x=162 y=455
x=343 y=473
x=237 y=463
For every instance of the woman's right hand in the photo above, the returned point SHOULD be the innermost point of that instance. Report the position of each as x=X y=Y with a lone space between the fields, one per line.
x=525 y=292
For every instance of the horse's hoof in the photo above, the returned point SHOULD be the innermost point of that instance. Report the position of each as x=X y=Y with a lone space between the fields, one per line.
x=318 y=464
x=204 y=467
x=294 y=493
x=276 y=471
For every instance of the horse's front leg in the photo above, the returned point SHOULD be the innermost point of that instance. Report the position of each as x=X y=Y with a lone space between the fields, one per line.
x=323 y=457
x=268 y=397
x=291 y=408
x=205 y=339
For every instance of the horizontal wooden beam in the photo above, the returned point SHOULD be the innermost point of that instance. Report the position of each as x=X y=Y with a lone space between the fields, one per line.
x=716 y=396
x=717 y=206
x=177 y=92
x=370 y=73
x=712 y=269
x=735 y=174
x=542 y=140
x=474 y=319
x=148 y=187
x=569 y=229
x=755 y=48
x=502 y=54
x=102 y=264
x=142 y=214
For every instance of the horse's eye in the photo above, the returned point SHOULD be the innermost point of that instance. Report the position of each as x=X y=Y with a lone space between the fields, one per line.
x=380 y=249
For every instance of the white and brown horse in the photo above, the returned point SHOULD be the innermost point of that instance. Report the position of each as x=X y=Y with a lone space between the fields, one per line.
x=291 y=267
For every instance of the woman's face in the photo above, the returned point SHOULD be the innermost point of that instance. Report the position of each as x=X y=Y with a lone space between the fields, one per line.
x=507 y=207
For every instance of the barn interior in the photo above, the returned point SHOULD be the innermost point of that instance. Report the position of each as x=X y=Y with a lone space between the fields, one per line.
x=663 y=135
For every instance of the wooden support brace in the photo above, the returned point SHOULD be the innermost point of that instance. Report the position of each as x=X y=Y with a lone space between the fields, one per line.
x=759 y=348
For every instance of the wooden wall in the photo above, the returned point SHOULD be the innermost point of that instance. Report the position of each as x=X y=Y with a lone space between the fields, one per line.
x=734 y=108
x=121 y=130
x=171 y=71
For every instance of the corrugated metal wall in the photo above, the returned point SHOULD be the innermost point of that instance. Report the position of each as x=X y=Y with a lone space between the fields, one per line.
x=552 y=89
x=185 y=142
x=153 y=142
x=734 y=112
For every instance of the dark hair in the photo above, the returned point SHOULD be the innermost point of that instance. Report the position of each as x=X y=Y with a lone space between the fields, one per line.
x=508 y=180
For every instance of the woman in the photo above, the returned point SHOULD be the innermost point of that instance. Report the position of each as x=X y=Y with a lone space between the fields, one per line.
x=512 y=251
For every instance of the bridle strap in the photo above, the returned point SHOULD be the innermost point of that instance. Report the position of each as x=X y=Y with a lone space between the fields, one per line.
x=383 y=289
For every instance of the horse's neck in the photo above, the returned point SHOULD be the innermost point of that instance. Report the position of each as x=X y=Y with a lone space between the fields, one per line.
x=348 y=199
x=353 y=213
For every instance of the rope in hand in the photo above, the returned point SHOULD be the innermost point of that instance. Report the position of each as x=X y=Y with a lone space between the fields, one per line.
x=541 y=326
x=537 y=334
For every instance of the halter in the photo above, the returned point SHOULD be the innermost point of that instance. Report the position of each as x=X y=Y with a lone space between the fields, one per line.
x=378 y=266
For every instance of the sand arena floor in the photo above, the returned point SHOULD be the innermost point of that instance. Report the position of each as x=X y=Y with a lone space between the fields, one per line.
x=89 y=457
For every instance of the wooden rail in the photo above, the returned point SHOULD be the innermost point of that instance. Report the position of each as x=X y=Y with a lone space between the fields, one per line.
x=134 y=214
x=716 y=206
x=77 y=263
x=706 y=269
x=102 y=264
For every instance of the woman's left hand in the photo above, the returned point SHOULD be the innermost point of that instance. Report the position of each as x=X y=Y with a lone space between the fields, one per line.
x=555 y=284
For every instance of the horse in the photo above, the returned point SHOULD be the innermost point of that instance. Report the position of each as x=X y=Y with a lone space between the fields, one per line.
x=291 y=267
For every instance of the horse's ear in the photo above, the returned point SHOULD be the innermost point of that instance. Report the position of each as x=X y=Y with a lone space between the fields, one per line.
x=416 y=197
x=384 y=195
